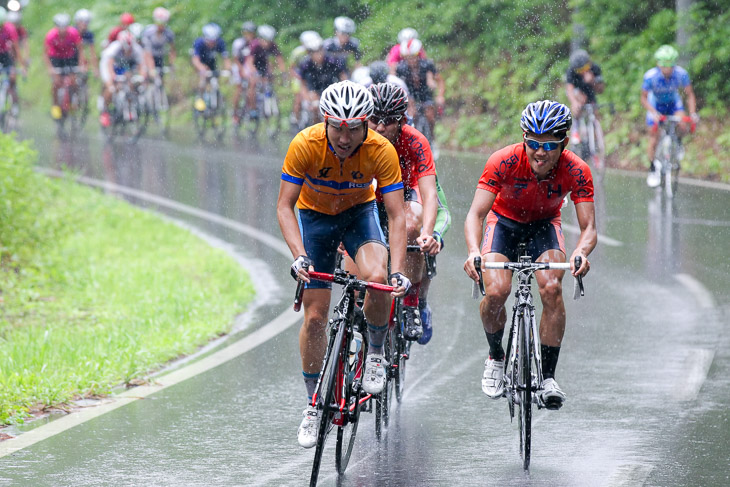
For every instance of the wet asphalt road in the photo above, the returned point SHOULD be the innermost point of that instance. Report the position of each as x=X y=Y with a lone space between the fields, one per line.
x=645 y=361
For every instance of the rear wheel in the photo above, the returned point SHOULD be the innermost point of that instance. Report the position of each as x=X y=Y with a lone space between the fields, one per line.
x=326 y=397
x=525 y=382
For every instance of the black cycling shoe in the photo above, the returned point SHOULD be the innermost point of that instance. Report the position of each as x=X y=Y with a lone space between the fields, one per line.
x=412 y=328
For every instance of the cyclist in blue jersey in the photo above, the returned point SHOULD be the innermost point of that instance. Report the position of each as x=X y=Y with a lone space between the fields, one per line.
x=660 y=96
x=205 y=49
x=82 y=18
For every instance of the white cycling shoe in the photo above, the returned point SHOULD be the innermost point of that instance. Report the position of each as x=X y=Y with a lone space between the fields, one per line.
x=374 y=377
x=308 y=428
x=493 y=378
x=654 y=177
x=551 y=395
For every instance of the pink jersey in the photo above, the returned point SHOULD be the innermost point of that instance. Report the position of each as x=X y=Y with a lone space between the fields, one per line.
x=394 y=55
x=521 y=197
x=63 y=47
x=8 y=35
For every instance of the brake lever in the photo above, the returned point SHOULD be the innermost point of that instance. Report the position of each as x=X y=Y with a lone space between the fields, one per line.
x=298 y=295
x=480 y=282
x=578 y=289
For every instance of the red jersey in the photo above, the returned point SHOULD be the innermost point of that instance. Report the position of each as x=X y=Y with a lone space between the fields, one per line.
x=415 y=156
x=63 y=47
x=521 y=197
x=115 y=32
x=8 y=35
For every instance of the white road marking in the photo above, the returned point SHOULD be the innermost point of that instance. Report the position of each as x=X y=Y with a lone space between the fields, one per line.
x=601 y=238
x=695 y=369
x=699 y=291
x=279 y=324
x=630 y=475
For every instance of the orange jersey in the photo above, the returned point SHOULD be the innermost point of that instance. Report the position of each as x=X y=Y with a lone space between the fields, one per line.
x=332 y=186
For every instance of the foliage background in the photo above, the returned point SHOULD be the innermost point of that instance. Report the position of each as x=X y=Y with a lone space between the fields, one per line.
x=496 y=55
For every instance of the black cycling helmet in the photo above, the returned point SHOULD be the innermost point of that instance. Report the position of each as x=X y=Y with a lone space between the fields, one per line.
x=379 y=72
x=389 y=99
x=579 y=59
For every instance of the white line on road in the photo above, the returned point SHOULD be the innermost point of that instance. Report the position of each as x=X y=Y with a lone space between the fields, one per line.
x=262 y=335
x=698 y=290
x=695 y=369
x=630 y=475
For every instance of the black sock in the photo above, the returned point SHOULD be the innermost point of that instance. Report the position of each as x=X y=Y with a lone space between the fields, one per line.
x=549 y=360
x=495 y=344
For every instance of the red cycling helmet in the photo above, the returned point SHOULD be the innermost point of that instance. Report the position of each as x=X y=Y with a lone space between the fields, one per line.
x=126 y=18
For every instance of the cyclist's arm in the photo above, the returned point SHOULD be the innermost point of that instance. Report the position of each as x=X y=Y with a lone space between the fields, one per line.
x=691 y=100
x=288 y=196
x=427 y=188
x=282 y=65
x=396 y=229
x=198 y=65
x=586 y=213
x=443 y=216
x=645 y=103
x=480 y=206
x=172 y=54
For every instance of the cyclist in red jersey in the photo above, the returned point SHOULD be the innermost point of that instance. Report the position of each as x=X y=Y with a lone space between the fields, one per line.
x=419 y=185
x=9 y=52
x=16 y=19
x=125 y=20
x=63 y=50
x=520 y=194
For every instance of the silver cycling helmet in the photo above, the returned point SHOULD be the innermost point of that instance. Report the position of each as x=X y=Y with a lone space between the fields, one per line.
x=407 y=34
x=82 y=15
x=61 y=20
x=266 y=32
x=579 y=59
x=546 y=117
x=379 y=71
x=211 y=31
x=345 y=25
x=346 y=100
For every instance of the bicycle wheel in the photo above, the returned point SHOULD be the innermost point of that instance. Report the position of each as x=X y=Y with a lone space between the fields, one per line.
x=403 y=349
x=384 y=400
x=326 y=395
x=525 y=382
x=351 y=378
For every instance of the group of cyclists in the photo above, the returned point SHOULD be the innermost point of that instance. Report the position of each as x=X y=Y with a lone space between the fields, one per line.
x=363 y=182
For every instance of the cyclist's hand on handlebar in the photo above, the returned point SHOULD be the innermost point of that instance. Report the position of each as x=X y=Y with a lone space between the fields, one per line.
x=695 y=118
x=301 y=267
x=428 y=244
x=585 y=265
x=469 y=268
x=400 y=282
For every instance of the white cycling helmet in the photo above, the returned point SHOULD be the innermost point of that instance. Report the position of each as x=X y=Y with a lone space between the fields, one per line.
x=312 y=42
x=345 y=25
x=161 y=15
x=411 y=47
x=406 y=35
x=266 y=32
x=307 y=34
x=126 y=39
x=136 y=30
x=61 y=20
x=346 y=100
x=82 y=15
x=211 y=31
x=14 y=17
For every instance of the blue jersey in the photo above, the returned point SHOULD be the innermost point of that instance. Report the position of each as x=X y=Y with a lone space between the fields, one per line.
x=206 y=53
x=87 y=37
x=665 y=91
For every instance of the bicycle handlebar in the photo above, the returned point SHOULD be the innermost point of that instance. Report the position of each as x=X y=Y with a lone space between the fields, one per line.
x=342 y=278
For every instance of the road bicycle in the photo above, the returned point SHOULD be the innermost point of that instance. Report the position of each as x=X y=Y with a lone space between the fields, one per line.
x=588 y=139
x=523 y=367
x=267 y=108
x=669 y=150
x=127 y=108
x=339 y=396
x=70 y=113
x=209 y=108
x=397 y=351
x=156 y=103
x=8 y=107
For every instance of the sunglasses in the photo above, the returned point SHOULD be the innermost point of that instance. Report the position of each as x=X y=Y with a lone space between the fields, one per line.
x=548 y=146
x=350 y=123
x=386 y=120
x=584 y=69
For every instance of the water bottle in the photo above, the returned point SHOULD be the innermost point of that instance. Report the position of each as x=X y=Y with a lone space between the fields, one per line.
x=355 y=352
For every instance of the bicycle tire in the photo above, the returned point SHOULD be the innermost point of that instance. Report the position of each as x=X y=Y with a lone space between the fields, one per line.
x=525 y=381
x=350 y=419
x=325 y=396
x=385 y=399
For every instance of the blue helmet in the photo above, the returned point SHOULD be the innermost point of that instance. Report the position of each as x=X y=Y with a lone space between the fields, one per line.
x=546 y=117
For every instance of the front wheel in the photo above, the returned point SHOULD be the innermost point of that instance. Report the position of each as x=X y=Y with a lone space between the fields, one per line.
x=385 y=398
x=525 y=383
x=350 y=416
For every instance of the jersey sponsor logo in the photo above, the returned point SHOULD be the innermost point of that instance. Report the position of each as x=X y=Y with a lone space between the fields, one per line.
x=357 y=175
x=492 y=182
x=324 y=172
x=505 y=165
x=577 y=173
x=557 y=191
x=418 y=149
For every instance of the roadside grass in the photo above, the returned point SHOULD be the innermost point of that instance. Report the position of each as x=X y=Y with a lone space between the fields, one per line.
x=97 y=292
